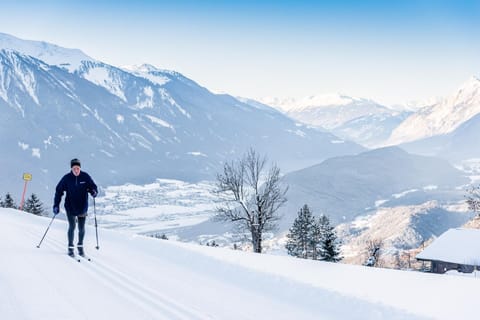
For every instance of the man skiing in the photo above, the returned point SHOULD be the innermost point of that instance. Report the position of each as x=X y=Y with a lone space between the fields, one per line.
x=77 y=184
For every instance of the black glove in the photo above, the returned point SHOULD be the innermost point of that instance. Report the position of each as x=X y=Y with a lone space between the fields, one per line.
x=94 y=193
x=56 y=210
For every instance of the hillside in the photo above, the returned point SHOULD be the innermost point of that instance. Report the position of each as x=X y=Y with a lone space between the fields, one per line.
x=349 y=186
x=133 y=277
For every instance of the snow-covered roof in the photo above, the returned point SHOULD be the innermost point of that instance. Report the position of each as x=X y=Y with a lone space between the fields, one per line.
x=458 y=245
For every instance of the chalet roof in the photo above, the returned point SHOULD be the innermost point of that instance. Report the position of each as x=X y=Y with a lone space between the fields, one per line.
x=458 y=245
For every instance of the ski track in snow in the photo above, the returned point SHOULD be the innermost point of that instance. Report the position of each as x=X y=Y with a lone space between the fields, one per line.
x=133 y=291
x=141 y=300
x=136 y=277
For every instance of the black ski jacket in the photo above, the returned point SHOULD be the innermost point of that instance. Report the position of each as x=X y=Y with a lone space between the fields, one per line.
x=77 y=189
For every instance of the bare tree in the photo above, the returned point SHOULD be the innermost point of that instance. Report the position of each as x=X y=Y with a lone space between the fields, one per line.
x=250 y=195
x=374 y=247
x=473 y=199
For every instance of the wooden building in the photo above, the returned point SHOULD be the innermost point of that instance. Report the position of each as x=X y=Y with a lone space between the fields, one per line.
x=456 y=249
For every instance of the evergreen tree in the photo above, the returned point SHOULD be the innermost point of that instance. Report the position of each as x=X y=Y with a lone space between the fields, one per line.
x=298 y=243
x=330 y=250
x=1 y=203
x=9 y=203
x=315 y=238
x=33 y=205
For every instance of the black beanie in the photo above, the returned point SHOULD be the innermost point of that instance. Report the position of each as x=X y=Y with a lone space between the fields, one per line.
x=75 y=162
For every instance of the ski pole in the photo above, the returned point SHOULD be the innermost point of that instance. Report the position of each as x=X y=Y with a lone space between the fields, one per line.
x=46 y=231
x=96 y=228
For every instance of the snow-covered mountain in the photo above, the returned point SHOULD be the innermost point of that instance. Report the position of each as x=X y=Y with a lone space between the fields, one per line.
x=415 y=105
x=441 y=118
x=144 y=278
x=71 y=59
x=327 y=111
x=131 y=126
x=371 y=130
x=361 y=120
x=457 y=146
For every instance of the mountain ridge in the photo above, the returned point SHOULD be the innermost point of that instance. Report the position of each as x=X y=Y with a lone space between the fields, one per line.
x=114 y=119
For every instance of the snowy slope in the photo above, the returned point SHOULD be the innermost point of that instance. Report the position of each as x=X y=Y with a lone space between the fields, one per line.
x=443 y=117
x=133 y=277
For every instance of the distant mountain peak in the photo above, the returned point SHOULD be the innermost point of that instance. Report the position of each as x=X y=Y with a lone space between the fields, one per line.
x=52 y=54
x=312 y=101
x=144 y=68
x=472 y=84
x=329 y=99
x=442 y=117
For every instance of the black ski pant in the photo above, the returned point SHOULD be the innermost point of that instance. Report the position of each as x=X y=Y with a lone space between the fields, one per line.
x=72 y=221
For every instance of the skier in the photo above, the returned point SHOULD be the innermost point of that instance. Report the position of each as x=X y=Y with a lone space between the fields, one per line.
x=76 y=184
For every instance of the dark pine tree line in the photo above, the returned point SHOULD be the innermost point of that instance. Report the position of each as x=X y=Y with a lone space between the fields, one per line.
x=32 y=204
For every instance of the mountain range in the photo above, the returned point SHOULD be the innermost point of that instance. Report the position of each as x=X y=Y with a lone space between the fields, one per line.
x=441 y=126
x=441 y=118
x=131 y=125
x=357 y=119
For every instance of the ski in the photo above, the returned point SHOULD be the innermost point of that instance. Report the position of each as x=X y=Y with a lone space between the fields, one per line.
x=84 y=256
x=73 y=257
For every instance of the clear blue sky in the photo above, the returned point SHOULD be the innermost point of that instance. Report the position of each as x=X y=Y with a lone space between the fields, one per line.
x=391 y=51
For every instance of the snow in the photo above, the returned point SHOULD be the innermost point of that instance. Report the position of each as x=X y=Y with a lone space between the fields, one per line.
x=52 y=54
x=141 y=140
x=197 y=154
x=378 y=203
x=404 y=193
x=36 y=152
x=23 y=145
x=135 y=277
x=159 y=121
x=298 y=132
x=146 y=100
x=442 y=117
x=156 y=207
x=320 y=100
x=47 y=142
x=149 y=72
x=103 y=77
x=166 y=97
x=28 y=80
x=120 y=118
x=26 y=77
x=456 y=245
